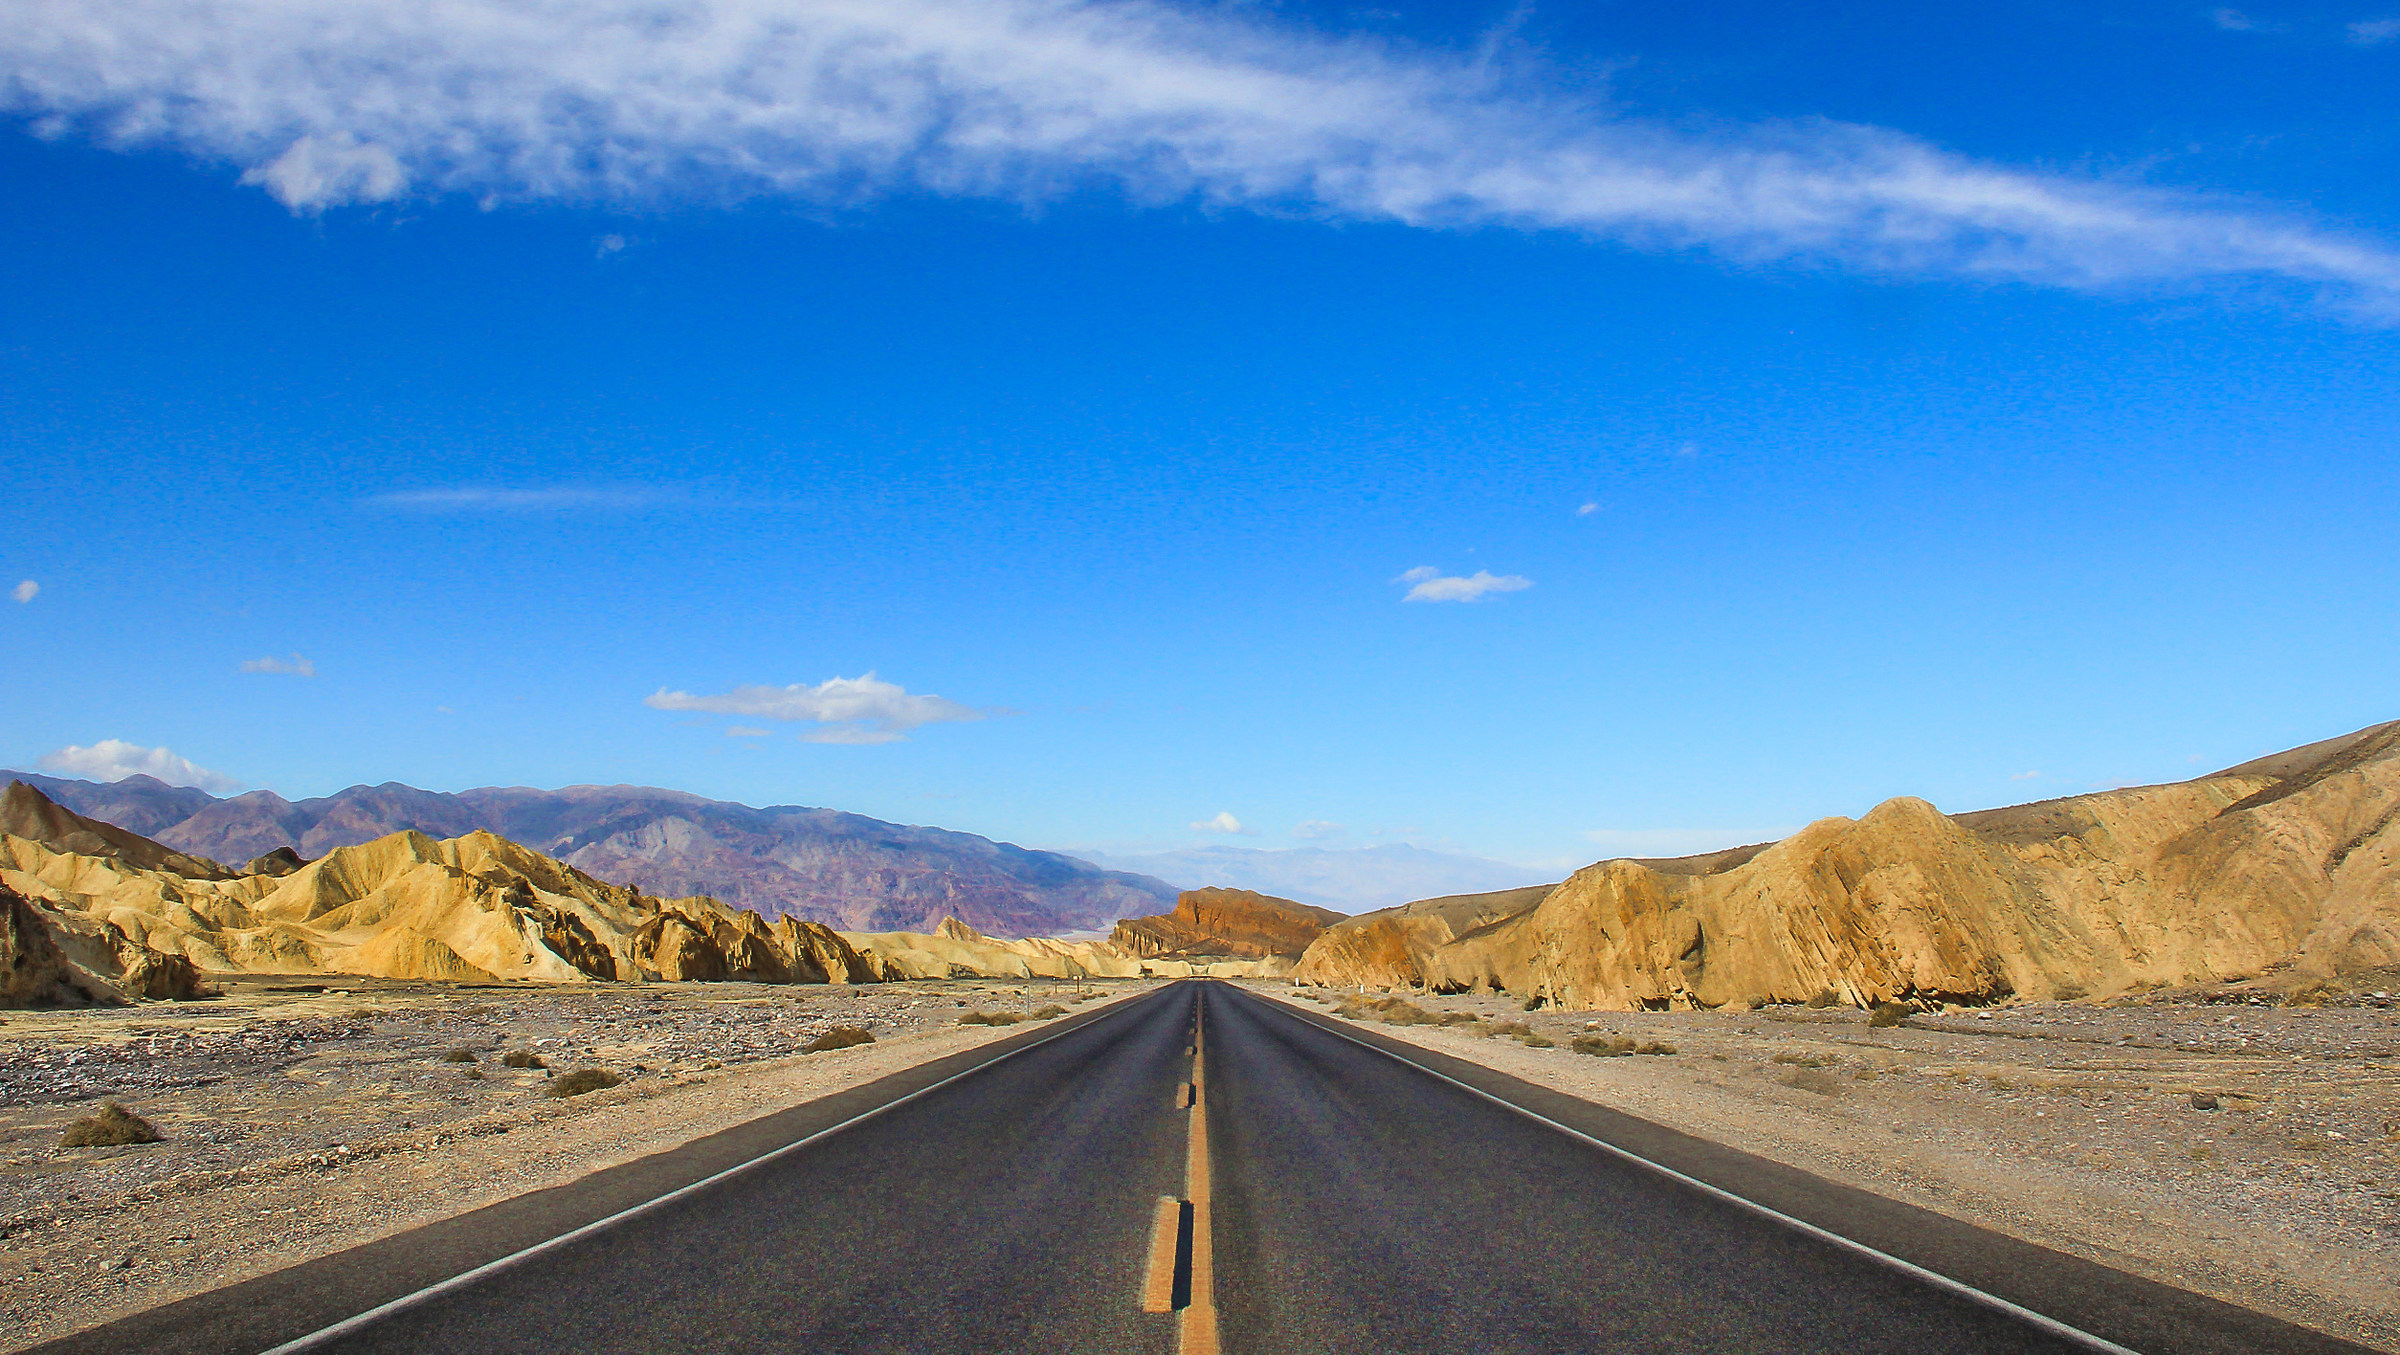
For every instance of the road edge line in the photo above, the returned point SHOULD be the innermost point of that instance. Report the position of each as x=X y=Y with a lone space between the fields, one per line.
x=2040 y=1321
x=465 y=1278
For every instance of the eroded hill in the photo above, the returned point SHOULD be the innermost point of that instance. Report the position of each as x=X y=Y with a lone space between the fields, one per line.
x=2289 y=860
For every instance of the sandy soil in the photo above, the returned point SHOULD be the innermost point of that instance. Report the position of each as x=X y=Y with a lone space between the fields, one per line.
x=2077 y=1126
x=330 y=1115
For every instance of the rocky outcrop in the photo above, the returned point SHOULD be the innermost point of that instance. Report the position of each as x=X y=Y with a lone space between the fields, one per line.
x=1225 y=922
x=2291 y=861
x=955 y=950
x=1389 y=947
x=52 y=959
x=819 y=865
x=26 y=812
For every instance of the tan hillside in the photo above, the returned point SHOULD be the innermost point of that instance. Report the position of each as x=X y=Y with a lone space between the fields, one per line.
x=1225 y=922
x=2292 y=860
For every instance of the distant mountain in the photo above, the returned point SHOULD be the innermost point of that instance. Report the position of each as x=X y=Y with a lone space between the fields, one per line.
x=1354 y=880
x=817 y=865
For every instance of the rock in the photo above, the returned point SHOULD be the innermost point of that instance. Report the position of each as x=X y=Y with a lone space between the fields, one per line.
x=2203 y=1101
x=1230 y=922
x=280 y=862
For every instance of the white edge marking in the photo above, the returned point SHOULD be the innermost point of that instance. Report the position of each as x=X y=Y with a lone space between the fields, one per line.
x=465 y=1278
x=1935 y=1278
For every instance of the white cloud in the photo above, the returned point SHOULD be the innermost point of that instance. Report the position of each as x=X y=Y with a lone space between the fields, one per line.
x=295 y=665
x=2374 y=32
x=635 y=101
x=1311 y=830
x=1223 y=823
x=25 y=592
x=537 y=499
x=2026 y=776
x=1588 y=509
x=1431 y=585
x=746 y=732
x=860 y=710
x=115 y=759
x=2233 y=21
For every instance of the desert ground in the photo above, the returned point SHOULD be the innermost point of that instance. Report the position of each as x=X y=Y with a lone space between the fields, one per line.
x=2204 y=1138
x=298 y=1118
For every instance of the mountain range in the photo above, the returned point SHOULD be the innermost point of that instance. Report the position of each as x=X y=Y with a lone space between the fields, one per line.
x=816 y=865
x=1351 y=879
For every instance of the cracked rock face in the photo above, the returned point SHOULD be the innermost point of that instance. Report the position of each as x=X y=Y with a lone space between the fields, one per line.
x=2292 y=860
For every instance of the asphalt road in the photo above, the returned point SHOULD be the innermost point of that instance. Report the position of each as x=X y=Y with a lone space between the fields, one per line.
x=1357 y=1203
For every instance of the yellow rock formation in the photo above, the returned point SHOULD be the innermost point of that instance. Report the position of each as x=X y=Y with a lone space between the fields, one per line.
x=2292 y=860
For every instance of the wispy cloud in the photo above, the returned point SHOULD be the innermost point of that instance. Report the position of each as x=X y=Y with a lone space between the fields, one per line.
x=1316 y=830
x=532 y=499
x=325 y=102
x=2025 y=776
x=295 y=665
x=1588 y=509
x=860 y=710
x=1431 y=585
x=25 y=592
x=2234 y=21
x=1223 y=823
x=746 y=732
x=115 y=759
x=2374 y=32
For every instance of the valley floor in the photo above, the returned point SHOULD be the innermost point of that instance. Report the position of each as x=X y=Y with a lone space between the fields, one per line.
x=301 y=1118
x=2071 y=1125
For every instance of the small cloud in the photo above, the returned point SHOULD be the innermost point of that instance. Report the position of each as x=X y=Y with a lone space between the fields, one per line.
x=441 y=710
x=115 y=759
x=25 y=591
x=1588 y=509
x=320 y=172
x=2233 y=21
x=746 y=732
x=855 y=735
x=1311 y=830
x=1223 y=823
x=2026 y=776
x=1431 y=585
x=610 y=244
x=860 y=710
x=1688 y=450
x=295 y=665
x=530 y=499
x=2374 y=32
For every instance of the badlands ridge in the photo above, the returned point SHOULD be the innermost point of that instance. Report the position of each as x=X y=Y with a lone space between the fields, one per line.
x=2286 y=865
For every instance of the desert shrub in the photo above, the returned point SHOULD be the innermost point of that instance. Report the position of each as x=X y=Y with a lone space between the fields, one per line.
x=1534 y=1003
x=1537 y=1042
x=1828 y=998
x=1655 y=1047
x=1406 y=1014
x=522 y=1058
x=459 y=1056
x=840 y=1037
x=1814 y=1080
x=1046 y=1012
x=1602 y=1046
x=1888 y=1014
x=113 y=1125
x=472 y=1075
x=1794 y=1056
x=1516 y=1028
x=1458 y=1019
x=2310 y=1143
x=583 y=1080
x=990 y=1019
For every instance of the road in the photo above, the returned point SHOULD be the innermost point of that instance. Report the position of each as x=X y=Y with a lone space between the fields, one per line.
x=1324 y=1197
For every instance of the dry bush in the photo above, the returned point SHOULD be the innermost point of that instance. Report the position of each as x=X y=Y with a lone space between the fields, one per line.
x=1534 y=1003
x=840 y=1037
x=522 y=1058
x=112 y=1126
x=1397 y=1013
x=1889 y=1014
x=583 y=1080
x=1793 y=1056
x=1516 y=1028
x=1603 y=1046
x=472 y=1075
x=1655 y=1047
x=1458 y=1019
x=459 y=1056
x=1537 y=1042
x=1828 y=998
x=1046 y=1012
x=2310 y=1143
x=991 y=1018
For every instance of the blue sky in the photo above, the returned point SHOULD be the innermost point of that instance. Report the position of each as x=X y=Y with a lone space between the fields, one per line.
x=1851 y=401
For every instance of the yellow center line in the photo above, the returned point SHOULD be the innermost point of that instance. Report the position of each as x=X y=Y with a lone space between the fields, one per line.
x=1198 y=1327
